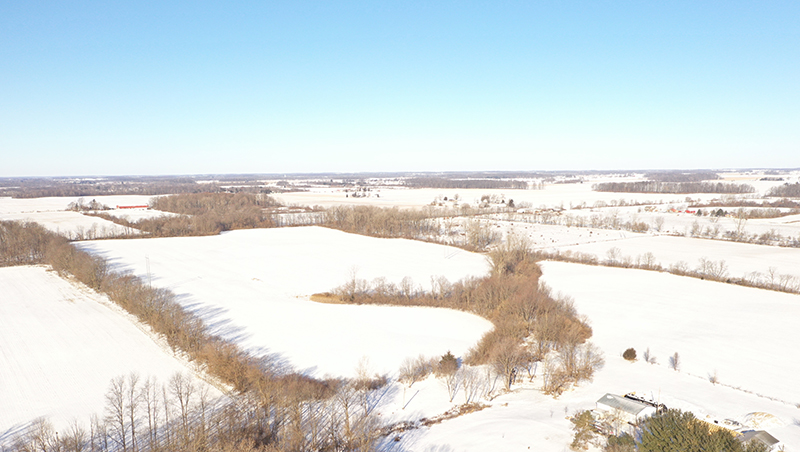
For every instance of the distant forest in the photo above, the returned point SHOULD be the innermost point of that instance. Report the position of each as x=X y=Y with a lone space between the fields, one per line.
x=785 y=191
x=673 y=187
x=39 y=188
x=439 y=182
x=678 y=176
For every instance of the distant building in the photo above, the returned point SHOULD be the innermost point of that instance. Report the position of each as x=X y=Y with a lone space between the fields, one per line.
x=622 y=413
x=758 y=435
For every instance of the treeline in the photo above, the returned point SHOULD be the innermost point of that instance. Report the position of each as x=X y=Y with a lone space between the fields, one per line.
x=678 y=176
x=277 y=408
x=382 y=222
x=673 y=187
x=440 y=182
x=147 y=415
x=204 y=214
x=39 y=188
x=26 y=243
x=785 y=191
x=529 y=323
x=778 y=203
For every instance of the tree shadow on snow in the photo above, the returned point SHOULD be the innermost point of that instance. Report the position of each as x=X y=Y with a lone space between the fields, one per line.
x=16 y=431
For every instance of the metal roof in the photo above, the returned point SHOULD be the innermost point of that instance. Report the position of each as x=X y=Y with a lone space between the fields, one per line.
x=759 y=435
x=621 y=403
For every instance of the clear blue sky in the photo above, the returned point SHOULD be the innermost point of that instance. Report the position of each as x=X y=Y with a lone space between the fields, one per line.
x=110 y=88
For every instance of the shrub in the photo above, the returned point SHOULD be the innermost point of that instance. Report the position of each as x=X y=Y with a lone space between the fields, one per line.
x=622 y=443
x=584 y=430
x=448 y=365
x=630 y=354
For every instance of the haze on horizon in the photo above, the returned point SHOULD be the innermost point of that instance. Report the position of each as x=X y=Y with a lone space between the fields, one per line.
x=212 y=88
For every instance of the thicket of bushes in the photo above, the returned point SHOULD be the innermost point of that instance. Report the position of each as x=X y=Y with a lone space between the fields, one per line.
x=528 y=321
x=382 y=222
x=204 y=214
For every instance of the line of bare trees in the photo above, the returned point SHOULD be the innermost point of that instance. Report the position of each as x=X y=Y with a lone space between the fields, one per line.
x=706 y=268
x=673 y=187
x=146 y=415
x=785 y=191
x=278 y=408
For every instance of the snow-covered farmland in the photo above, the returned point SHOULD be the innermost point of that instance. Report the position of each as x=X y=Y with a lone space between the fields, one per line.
x=558 y=195
x=55 y=203
x=60 y=346
x=72 y=225
x=744 y=336
x=254 y=286
x=739 y=258
x=52 y=214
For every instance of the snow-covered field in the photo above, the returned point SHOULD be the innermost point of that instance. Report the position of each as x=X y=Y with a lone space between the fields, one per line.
x=72 y=225
x=60 y=346
x=50 y=204
x=560 y=195
x=740 y=258
x=254 y=286
x=746 y=336
x=52 y=214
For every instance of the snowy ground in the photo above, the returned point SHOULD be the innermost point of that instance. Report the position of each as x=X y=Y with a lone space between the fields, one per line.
x=50 y=204
x=682 y=223
x=60 y=346
x=740 y=258
x=52 y=214
x=73 y=225
x=254 y=286
x=730 y=330
x=561 y=195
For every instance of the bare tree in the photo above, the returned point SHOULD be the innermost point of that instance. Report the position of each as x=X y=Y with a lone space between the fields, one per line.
x=648 y=357
x=133 y=405
x=149 y=394
x=116 y=410
x=740 y=221
x=675 y=362
x=613 y=255
x=658 y=222
x=75 y=439
x=182 y=388
x=506 y=357
x=474 y=383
